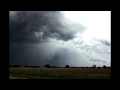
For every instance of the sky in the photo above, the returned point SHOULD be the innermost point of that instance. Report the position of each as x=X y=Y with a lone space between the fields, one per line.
x=59 y=38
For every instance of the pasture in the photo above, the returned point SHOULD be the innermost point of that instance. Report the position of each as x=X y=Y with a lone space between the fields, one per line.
x=60 y=73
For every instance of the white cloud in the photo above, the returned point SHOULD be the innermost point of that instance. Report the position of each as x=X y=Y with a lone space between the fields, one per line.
x=97 y=23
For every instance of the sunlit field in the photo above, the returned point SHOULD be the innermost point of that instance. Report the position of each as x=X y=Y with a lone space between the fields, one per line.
x=60 y=73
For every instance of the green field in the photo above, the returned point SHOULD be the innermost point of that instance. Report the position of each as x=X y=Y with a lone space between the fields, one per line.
x=61 y=73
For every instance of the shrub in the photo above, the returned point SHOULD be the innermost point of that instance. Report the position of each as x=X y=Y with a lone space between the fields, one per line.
x=47 y=66
x=103 y=66
x=94 y=66
x=67 y=66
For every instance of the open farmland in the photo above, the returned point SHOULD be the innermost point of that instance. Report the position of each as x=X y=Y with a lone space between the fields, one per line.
x=60 y=73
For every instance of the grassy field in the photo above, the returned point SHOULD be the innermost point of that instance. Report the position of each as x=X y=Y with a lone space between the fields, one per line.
x=60 y=73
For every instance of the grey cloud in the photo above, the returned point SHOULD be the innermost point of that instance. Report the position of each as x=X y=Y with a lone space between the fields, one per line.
x=98 y=60
x=104 y=62
x=45 y=53
x=31 y=54
x=27 y=26
x=45 y=38
x=106 y=42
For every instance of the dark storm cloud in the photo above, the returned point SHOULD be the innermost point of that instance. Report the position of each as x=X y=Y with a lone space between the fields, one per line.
x=30 y=54
x=43 y=53
x=32 y=35
x=59 y=58
x=47 y=37
x=38 y=26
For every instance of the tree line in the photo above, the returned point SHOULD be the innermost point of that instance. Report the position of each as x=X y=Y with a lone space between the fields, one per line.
x=66 y=66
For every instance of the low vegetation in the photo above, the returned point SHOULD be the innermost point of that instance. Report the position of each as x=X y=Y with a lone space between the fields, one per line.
x=60 y=73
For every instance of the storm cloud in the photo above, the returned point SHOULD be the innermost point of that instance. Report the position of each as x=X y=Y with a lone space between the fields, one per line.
x=48 y=37
x=39 y=26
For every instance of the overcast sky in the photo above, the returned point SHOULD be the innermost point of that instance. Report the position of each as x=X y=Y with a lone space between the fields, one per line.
x=59 y=38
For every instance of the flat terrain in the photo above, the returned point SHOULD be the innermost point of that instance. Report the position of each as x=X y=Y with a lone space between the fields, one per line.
x=59 y=73
x=11 y=77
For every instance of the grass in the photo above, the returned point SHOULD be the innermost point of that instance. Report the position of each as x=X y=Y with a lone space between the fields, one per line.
x=61 y=73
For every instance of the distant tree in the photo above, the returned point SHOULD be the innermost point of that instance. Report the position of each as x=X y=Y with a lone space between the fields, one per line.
x=94 y=66
x=54 y=66
x=17 y=66
x=47 y=66
x=26 y=66
x=103 y=66
x=67 y=66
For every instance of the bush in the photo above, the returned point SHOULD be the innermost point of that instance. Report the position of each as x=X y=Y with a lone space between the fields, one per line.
x=54 y=66
x=47 y=66
x=103 y=66
x=67 y=66
x=94 y=66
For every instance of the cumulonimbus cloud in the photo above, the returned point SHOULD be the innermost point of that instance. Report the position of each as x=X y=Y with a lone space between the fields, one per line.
x=48 y=37
x=38 y=26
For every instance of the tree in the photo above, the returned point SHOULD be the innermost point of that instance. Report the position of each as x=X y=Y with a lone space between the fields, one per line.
x=67 y=66
x=47 y=66
x=103 y=66
x=94 y=66
x=54 y=66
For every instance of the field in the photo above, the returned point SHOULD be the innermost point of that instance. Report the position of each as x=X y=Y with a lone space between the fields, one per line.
x=60 y=73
